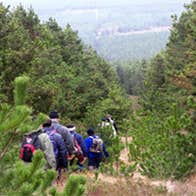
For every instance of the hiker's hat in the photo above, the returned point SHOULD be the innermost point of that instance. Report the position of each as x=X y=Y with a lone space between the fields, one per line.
x=71 y=127
x=53 y=114
x=90 y=131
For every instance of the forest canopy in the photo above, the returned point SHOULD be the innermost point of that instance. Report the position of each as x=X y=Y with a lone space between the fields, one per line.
x=65 y=75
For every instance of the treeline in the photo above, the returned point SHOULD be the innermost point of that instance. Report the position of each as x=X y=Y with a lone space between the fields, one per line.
x=132 y=75
x=131 y=47
x=65 y=74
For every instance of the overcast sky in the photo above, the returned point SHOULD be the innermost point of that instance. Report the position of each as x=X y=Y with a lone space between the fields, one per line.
x=49 y=4
x=56 y=8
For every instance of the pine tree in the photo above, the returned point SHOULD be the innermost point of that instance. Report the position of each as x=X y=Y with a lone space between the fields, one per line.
x=180 y=51
x=19 y=178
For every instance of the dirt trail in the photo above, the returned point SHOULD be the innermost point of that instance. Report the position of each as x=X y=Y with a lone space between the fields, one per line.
x=107 y=185
x=174 y=187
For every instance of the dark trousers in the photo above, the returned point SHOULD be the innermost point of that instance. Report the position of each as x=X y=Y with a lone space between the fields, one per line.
x=61 y=164
x=95 y=161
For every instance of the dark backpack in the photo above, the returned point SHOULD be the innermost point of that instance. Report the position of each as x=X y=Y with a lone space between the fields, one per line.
x=97 y=144
x=29 y=145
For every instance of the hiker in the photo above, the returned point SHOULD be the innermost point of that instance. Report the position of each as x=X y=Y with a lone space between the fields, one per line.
x=36 y=140
x=79 y=145
x=62 y=130
x=95 y=149
x=58 y=146
x=107 y=121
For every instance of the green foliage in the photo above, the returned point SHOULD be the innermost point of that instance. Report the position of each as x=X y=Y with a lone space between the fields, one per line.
x=116 y=104
x=127 y=170
x=132 y=76
x=20 y=90
x=164 y=146
x=113 y=31
x=157 y=72
x=19 y=178
x=13 y=117
x=96 y=175
x=180 y=51
x=164 y=133
x=114 y=146
x=114 y=149
x=75 y=186
x=27 y=179
x=61 y=69
x=11 y=120
x=131 y=47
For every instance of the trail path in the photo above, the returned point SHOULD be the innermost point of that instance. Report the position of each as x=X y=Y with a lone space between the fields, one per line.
x=185 y=188
x=134 y=185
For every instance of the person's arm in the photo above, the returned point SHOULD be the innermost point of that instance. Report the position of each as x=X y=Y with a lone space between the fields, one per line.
x=82 y=145
x=105 y=151
x=88 y=143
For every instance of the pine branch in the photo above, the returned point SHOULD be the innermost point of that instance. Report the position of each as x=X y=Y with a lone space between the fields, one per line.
x=5 y=149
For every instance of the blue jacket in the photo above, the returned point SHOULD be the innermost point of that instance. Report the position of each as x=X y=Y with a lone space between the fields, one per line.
x=88 y=143
x=80 y=141
x=58 y=144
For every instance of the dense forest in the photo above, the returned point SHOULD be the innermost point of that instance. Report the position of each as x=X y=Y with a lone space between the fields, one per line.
x=44 y=67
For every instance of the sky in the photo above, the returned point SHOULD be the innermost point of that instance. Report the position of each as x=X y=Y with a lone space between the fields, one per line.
x=58 y=9
x=49 y=4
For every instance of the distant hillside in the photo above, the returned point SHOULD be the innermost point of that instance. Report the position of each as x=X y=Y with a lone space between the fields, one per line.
x=100 y=23
x=131 y=47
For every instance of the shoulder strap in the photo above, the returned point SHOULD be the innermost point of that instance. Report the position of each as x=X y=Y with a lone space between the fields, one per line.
x=52 y=132
x=74 y=138
x=92 y=137
x=35 y=138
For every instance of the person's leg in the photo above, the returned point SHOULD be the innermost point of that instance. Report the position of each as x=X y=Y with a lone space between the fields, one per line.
x=62 y=169
x=80 y=161
x=81 y=166
x=91 y=163
x=97 y=162
x=71 y=161
x=58 y=169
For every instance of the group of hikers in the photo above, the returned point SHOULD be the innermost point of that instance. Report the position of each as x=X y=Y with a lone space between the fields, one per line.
x=63 y=146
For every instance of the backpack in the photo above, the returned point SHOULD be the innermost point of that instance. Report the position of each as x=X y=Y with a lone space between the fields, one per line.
x=29 y=145
x=51 y=135
x=97 y=144
x=77 y=147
